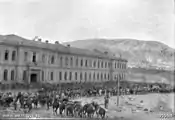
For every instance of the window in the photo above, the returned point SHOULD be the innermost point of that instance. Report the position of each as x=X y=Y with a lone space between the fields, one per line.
x=43 y=58
x=65 y=76
x=75 y=75
x=12 y=75
x=51 y=76
x=71 y=61
x=70 y=76
x=97 y=76
x=94 y=63
x=81 y=63
x=25 y=56
x=24 y=75
x=105 y=76
x=66 y=61
x=94 y=76
x=108 y=77
x=86 y=64
x=85 y=76
x=52 y=60
x=81 y=76
x=89 y=76
x=60 y=75
x=115 y=64
x=61 y=61
x=42 y=75
x=13 y=55
x=5 y=75
x=34 y=57
x=77 y=62
x=6 y=55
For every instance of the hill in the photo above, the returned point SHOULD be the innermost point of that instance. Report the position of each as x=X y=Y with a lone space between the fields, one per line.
x=137 y=52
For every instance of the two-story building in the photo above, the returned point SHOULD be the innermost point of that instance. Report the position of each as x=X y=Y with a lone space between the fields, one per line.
x=32 y=61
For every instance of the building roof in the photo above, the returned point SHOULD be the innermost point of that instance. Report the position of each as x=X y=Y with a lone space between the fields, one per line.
x=19 y=41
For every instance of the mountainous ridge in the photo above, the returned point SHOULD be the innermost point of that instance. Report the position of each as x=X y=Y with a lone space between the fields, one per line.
x=136 y=51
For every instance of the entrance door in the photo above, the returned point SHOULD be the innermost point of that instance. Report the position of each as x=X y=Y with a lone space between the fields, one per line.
x=33 y=78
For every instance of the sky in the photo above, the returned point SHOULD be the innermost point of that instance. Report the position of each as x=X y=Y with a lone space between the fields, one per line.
x=68 y=20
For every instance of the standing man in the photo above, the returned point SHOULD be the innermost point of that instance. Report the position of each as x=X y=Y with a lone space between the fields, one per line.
x=106 y=100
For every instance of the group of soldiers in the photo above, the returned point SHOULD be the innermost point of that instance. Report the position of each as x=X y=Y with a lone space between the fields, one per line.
x=64 y=99
x=56 y=100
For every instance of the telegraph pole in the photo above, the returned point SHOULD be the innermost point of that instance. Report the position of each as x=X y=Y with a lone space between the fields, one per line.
x=118 y=91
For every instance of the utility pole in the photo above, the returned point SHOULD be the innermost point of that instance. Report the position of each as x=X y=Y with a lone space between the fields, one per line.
x=118 y=90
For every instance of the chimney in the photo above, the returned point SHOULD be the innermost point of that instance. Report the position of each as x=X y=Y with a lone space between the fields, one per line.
x=35 y=38
x=56 y=42
x=39 y=39
x=68 y=45
x=47 y=41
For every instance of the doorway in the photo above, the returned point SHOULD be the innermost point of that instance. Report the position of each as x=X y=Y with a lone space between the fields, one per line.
x=33 y=78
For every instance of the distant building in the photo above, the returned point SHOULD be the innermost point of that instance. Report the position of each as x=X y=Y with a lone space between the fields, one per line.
x=33 y=61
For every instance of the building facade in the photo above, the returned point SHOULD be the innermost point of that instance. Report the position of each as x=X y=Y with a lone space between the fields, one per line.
x=33 y=61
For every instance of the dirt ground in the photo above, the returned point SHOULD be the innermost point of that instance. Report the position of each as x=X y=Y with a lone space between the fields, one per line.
x=130 y=108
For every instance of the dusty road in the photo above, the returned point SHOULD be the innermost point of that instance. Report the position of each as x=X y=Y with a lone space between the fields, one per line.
x=130 y=108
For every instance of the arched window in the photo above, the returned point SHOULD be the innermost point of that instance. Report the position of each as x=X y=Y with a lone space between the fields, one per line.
x=66 y=61
x=71 y=61
x=43 y=58
x=6 y=55
x=52 y=60
x=94 y=63
x=60 y=75
x=12 y=75
x=70 y=75
x=24 y=75
x=89 y=76
x=13 y=55
x=51 y=76
x=75 y=75
x=42 y=75
x=81 y=62
x=61 y=61
x=65 y=76
x=94 y=76
x=5 y=74
x=85 y=76
x=86 y=64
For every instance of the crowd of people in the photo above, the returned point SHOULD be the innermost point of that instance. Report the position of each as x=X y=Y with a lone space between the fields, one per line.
x=63 y=100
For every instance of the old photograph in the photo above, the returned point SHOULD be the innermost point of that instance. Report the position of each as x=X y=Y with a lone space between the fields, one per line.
x=87 y=59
